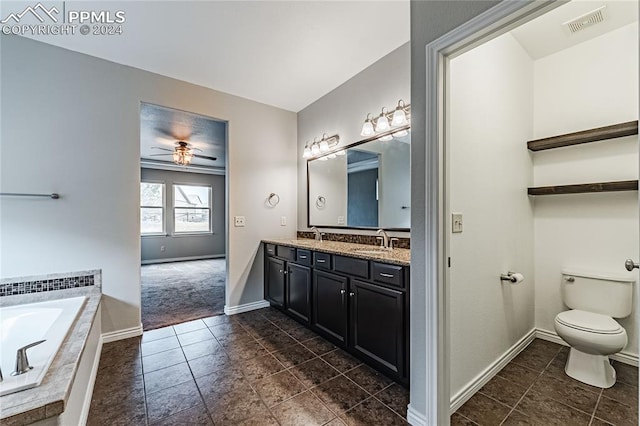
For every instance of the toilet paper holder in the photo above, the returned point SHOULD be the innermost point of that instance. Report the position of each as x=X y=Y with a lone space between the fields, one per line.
x=509 y=276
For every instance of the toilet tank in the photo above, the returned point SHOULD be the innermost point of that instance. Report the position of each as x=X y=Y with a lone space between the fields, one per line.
x=602 y=294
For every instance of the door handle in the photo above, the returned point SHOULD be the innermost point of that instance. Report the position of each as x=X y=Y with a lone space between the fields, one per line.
x=630 y=265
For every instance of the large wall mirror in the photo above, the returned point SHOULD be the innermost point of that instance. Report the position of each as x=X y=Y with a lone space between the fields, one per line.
x=366 y=187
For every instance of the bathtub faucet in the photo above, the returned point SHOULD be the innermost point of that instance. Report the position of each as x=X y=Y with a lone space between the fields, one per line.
x=22 y=362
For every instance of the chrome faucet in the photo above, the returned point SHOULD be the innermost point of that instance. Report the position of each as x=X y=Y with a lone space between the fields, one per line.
x=384 y=238
x=22 y=362
x=318 y=234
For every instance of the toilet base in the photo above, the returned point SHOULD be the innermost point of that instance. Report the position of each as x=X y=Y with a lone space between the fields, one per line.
x=594 y=370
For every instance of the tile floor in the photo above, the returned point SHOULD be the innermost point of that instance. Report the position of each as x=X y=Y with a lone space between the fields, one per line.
x=258 y=368
x=263 y=368
x=534 y=390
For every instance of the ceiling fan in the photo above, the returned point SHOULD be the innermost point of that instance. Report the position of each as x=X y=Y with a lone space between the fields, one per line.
x=183 y=153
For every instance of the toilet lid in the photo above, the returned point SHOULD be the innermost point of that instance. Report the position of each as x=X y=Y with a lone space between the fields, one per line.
x=589 y=321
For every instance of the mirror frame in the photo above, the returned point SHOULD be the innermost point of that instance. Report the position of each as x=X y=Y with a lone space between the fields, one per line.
x=352 y=145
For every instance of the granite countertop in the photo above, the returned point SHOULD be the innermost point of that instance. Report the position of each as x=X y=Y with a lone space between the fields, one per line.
x=50 y=398
x=396 y=256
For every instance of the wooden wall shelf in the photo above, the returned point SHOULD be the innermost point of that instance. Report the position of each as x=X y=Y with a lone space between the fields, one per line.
x=624 y=185
x=586 y=136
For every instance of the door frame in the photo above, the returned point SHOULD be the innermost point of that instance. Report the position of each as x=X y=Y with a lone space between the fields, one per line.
x=498 y=20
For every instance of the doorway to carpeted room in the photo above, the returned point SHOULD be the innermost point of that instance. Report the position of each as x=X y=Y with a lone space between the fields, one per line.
x=182 y=291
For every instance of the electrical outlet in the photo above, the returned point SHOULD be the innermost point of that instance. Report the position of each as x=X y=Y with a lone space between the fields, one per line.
x=162 y=248
x=239 y=221
x=283 y=221
x=456 y=223
x=340 y=220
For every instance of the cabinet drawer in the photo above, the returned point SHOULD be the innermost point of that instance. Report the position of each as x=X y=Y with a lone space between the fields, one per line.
x=270 y=249
x=303 y=257
x=322 y=260
x=387 y=274
x=351 y=266
x=288 y=253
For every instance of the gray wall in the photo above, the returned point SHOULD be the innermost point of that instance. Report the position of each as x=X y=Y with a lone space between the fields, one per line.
x=344 y=109
x=76 y=119
x=429 y=21
x=185 y=246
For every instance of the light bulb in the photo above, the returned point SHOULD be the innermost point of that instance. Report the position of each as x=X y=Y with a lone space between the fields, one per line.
x=324 y=146
x=367 y=128
x=386 y=138
x=382 y=123
x=307 y=152
x=315 y=149
x=399 y=117
x=400 y=134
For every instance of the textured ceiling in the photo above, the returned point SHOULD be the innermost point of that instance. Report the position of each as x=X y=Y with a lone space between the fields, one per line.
x=162 y=127
x=283 y=53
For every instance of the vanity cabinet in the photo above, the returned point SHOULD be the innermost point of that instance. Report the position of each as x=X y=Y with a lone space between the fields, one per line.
x=275 y=274
x=298 y=290
x=358 y=304
x=330 y=305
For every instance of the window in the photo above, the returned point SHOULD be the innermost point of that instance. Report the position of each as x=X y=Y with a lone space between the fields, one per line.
x=191 y=209
x=151 y=208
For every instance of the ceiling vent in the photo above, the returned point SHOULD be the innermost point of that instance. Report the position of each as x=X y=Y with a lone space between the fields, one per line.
x=583 y=21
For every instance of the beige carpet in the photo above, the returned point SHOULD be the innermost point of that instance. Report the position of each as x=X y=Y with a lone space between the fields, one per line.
x=182 y=291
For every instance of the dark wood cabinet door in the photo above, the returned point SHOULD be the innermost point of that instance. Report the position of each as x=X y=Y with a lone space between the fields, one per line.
x=329 y=305
x=377 y=324
x=274 y=288
x=299 y=291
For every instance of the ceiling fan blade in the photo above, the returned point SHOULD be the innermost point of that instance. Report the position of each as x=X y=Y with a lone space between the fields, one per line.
x=157 y=155
x=164 y=149
x=166 y=132
x=206 y=157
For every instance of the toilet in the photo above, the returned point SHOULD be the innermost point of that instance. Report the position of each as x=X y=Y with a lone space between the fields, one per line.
x=589 y=326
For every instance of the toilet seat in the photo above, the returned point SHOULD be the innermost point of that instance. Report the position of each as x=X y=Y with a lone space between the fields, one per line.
x=589 y=322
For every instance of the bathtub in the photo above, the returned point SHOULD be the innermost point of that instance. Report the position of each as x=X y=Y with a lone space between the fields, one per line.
x=21 y=325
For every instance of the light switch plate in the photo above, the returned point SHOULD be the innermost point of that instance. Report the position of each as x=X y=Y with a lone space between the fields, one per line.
x=456 y=223
x=238 y=221
x=283 y=221
x=340 y=220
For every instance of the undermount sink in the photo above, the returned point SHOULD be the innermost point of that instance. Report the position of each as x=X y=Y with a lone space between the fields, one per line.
x=370 y=250
x=306 y=242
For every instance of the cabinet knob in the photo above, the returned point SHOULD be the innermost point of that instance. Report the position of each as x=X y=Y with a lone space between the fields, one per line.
x=351 y=294
x=343 y=291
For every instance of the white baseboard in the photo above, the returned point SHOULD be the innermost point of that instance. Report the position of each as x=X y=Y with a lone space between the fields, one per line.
x=126 y=333
x=474 y=385
x=415 y=418
x=623 y=357
x=84 y=414
x=232 y=310
x=181 y=259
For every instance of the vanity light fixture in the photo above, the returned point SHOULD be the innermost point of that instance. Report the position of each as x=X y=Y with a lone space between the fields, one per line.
x=382 y=123
x=319 y=147
x=386 y=121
